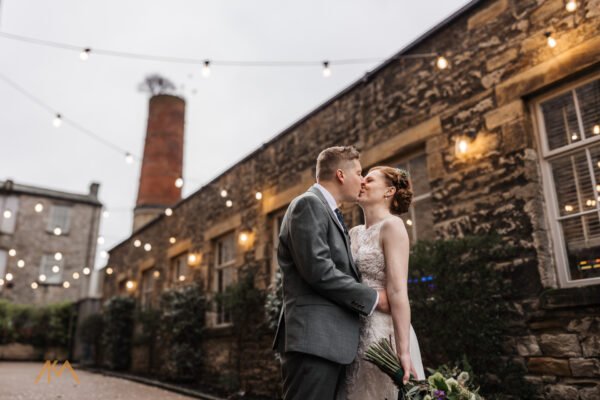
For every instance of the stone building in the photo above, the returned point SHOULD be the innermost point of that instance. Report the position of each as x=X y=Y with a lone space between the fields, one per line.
x=47 y=243
x=505 y=140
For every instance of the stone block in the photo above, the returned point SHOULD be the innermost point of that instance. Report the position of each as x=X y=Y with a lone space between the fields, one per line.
x=591 y=346
x=585 y=367
x=487 y=15
x=528 y=346
x=590 y=393
x=505 y=114
x=501 y=59
x=560 y=345
x=560 y=392
x=549 y=366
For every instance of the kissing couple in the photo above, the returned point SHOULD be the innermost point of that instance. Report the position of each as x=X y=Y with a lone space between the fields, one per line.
x=344 y=290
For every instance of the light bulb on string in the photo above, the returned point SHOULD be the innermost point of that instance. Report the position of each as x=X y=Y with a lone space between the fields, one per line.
x=42 y=278
x=39 y=207
x=550 y=40
x=441 y=62
x=66 y=284
x=34 y=285
x=571 y=5
x=206 y=69
x=7 y=214
x=179 y=183
x=596 y=129
x=223 y=193
x=20 y=263
x=100 y=239
x=9 y=277
x=85 y=54
x=12 y=252
x=258 y=196
x=168 y=212
x=326 y=69
x=57 y=121
x=105 y=214
x=86 y=271
x=229 y=203
x=128 y=158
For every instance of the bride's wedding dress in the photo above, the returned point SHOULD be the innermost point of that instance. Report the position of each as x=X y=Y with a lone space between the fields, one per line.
x=364 y=381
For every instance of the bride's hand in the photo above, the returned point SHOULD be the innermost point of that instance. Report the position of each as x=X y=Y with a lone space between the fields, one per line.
x=407 y=367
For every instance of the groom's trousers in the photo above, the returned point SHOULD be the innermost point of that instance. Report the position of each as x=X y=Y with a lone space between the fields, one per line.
x=308 y=377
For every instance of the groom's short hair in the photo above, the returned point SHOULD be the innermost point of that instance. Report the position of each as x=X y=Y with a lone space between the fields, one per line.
x=332 y=158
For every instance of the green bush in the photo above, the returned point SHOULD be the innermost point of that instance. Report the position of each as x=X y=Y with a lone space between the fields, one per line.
x=182 y=324
x=460 y=310
x=39 y=326
x=118 y=332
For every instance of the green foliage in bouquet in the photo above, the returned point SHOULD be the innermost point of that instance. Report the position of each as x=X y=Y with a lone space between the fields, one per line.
x=444 y=384
x=118 y=332
x=182 y=326
x=460 y=309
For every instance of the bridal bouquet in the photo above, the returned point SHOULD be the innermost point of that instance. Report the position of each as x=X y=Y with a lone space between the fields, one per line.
x=442 y=385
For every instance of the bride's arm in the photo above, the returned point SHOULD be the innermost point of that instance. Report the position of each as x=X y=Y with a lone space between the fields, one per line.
x=396 y=249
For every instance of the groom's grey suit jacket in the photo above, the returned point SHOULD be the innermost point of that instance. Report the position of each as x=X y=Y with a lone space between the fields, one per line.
x=322 y=296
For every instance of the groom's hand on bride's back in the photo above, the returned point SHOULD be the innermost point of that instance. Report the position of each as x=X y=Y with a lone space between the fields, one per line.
x=383 y=305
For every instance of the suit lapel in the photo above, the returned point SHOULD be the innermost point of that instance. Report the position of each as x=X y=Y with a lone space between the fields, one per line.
x=336 y=222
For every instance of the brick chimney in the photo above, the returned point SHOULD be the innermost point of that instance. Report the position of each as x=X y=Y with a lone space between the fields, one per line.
x=163 y=158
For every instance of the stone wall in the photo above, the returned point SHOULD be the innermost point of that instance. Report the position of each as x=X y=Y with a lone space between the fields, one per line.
x=498 y=60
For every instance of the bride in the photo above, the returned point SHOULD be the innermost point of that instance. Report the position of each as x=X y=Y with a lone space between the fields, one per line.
x=380 y=249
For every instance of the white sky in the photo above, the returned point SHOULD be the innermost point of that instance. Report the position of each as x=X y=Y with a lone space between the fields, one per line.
x=233 y=112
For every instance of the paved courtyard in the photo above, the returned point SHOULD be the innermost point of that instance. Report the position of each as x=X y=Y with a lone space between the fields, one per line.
x=17 y=382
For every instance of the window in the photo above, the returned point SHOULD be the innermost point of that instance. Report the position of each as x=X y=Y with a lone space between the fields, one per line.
x=51 y=269
x=3 y=261
x=9 y=207
x=148 y=280
x=224 y=274
x=60 y=217
x=569 y=125
x=179 y=268
x=419 y=218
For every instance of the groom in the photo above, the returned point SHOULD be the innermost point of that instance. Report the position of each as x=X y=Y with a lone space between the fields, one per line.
x=318 y=328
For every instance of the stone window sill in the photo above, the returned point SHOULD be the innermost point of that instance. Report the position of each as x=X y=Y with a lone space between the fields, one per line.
x=571 y=297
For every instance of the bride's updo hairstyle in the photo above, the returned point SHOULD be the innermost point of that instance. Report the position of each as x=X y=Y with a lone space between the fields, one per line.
x=400 y=180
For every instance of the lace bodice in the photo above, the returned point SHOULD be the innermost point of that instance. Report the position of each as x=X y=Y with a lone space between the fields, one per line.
x=368 y=254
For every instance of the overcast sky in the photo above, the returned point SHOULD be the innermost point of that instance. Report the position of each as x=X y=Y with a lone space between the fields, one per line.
x=231 y=113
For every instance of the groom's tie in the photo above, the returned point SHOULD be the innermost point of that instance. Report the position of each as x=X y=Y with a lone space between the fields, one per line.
x=340 y=218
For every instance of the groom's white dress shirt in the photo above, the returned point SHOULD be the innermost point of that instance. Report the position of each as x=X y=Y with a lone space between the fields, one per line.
x=333 y=205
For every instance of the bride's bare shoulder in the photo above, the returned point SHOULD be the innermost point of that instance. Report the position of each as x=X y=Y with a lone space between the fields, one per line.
x=393 y=227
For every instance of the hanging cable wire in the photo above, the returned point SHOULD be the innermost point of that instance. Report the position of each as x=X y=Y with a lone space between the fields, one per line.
x=60 y=117
x=203 y=61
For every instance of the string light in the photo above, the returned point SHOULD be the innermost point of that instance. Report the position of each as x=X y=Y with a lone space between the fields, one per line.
x=104 y=254
x=206 y=69
x=326 y=69
x=56 y=269
x=156 y=274
x=179 y=182
x=147 y=247
x=12 y=252
x=58 y=256
x=85 y=54
x=550 y=40
x=57 y=231
x=42 y=278
x=39 y=207
x=596 y=129
x=7 y=214
x=86 y=271
x=129 y=285
x=137 y=243
x=75 y=275
x=229 y=203
x=442 y=62
x=57 y=121
x=258 y=195
x=571 y=5
x=574 y=136
x=105 y=214
x=34 y=285
x=128 y=158
x=168 y=212
x=9 y=277
x=172 y=240
x=181 y=278
x=192 y=258
x=66 y=284
x=100 y=239
x=462 y=146
x=20 y=263
x=223 y=193
x=109 y=271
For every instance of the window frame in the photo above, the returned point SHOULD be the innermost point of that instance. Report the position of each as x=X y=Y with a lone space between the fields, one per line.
x=220 y=315
x=64 y=229
x=546 y=156
x=61 y=265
